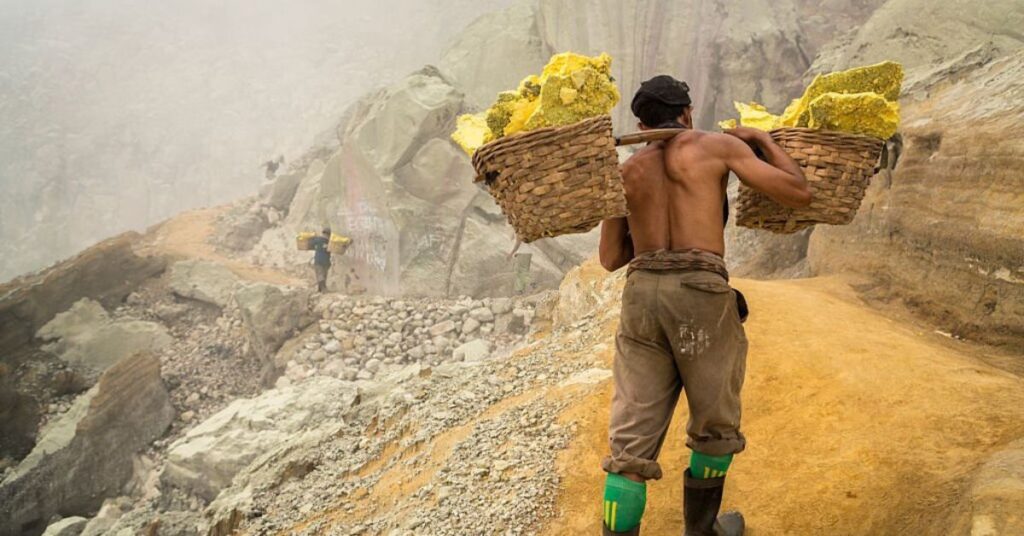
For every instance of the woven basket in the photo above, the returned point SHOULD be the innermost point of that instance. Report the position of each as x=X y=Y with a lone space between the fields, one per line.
x=554 y=181
x=838 y=168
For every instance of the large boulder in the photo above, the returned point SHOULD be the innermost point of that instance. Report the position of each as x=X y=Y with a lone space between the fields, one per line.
x=994 y=503
x=86 y=454
x=86 y=335
x=69 y=526
x=241 y=227
x=587 y=290
x=484 y=267
x=272 y=315
x=207 y=458
x=206 y=281
x=106 y=272
x=415 y=110
x=279 y=192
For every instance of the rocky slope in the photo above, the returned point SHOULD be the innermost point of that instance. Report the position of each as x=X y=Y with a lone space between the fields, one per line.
x=423 y=445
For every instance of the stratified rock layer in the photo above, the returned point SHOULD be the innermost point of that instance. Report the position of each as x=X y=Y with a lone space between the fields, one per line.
x=86 y=455
x=944 y=232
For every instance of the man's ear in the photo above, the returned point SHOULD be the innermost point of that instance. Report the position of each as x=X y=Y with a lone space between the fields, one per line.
x=687 y=118
x=642 y=126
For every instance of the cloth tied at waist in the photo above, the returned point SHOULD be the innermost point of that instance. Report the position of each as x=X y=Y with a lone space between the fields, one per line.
x=664 y=260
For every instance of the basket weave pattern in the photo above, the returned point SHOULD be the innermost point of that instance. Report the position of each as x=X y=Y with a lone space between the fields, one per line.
x=838 y=168
x=557 y=180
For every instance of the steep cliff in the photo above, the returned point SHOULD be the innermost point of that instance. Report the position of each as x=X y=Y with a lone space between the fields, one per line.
x=944 y=231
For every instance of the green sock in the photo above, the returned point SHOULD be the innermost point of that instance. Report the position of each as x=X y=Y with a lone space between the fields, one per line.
x=624 y=502
x=704 y=466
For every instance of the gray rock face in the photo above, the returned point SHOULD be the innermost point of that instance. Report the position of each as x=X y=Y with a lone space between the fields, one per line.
x=494 y=53
x=202 y=280
x=279 y=192
x=208 y=457
x=272 y=315
x=86 y=454
x=241 y=228
x=916 y=222
x=473 y=351
x=923 y=35
x=86 y=335
x=405 y=194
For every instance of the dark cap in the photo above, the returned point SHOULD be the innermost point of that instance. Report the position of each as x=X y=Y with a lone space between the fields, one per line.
x=664 y=89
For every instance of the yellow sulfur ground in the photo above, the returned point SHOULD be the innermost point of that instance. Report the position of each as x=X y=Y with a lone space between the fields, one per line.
x=869 y=114
x=571 y=88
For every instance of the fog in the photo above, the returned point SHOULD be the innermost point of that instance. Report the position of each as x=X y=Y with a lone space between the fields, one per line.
x=120 y=113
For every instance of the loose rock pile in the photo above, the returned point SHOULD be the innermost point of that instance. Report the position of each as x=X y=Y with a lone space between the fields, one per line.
x=362 y=339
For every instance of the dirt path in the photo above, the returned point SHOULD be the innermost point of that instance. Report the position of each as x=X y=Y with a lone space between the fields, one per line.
x=187 y=236
x=856 y=424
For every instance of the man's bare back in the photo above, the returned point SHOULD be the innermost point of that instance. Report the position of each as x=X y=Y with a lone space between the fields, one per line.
x=675 y=191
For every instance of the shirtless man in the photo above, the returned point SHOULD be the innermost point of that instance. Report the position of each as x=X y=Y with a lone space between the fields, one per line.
x=680 y=327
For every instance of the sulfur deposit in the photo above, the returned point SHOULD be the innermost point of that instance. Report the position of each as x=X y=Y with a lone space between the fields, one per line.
x=571 y=88
x=863 y=100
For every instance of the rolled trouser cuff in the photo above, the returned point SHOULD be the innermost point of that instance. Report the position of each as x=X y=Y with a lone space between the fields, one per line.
x=718 y=447
x=624 y=463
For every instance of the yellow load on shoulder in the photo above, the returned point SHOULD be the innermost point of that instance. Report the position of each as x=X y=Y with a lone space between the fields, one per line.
x=304 y=241
x=338 y=244
x=571 y=88
x=864 y=101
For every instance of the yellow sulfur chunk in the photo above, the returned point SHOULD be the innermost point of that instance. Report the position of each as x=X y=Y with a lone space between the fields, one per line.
x=567 y=63
x=499 y=115
x=791 y=115
x=754 y=115
x=869 y=114
x=885 y=79
x=568 y=95
x=571 y=88
x=595 y=96
x=471 y=132
x=727 y=124
x=524 y=109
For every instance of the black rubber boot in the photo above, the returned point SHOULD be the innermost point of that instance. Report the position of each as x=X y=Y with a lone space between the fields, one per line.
x=608 y=532
x=701 y=500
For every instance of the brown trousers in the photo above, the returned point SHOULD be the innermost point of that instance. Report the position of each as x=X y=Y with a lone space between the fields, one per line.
x=679 y=331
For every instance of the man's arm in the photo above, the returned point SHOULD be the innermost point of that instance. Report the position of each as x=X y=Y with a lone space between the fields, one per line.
x=780 y=178
x=616 y=249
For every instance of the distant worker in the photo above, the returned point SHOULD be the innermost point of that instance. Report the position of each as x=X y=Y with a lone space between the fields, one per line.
x=321 y=258
x=272 y=166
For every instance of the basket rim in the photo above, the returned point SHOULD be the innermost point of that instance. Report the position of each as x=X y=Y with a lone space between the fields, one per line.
x=490 y=146
x=821 y=133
